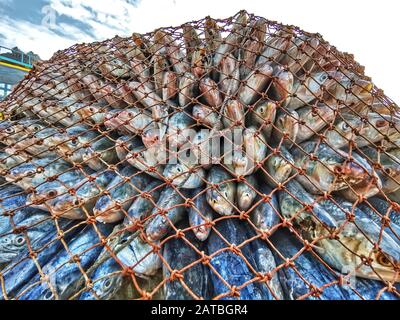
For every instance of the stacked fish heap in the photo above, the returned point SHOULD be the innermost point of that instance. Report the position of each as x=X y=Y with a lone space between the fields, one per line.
x=228 y=159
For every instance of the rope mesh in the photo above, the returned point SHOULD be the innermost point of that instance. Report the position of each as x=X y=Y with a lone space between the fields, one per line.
x=222 y=159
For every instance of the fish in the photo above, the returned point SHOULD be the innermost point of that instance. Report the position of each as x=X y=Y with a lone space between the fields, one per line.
x=311 y=88
x=275 y=44
x=229 y=79
x=26 y=235
x=230 y=266
x=65 y=277
x=170 y=85
x=72 y=143
x=113 y=69
x=160 y=66
x=246 y=192
x=357 y=239
x=147 y=161
x=281 y=85
x=107 y=280
x=333 y=171
x=263 y=116
x=388 y=167
x=207 y=117
x=293 y=204
x=221 y=193
x=313 y=272
x=265 y=264
x=253 y=45
x=180 y=128
x=200 y=214
x=233 y=114
x=200 y=61
x=191 y=39
x=212 y=33
x=366 y=131
x=170 y=209
x=172 y=50
x=178 y=254
x=351 y=89
x=80 y=203
x=18 y=273
x=255 y=146
x=142 y=205
x=124 y=144
x=266 y=214
x=278 y=166
x=136 y=254
x=188 y=86
x=133 y=120
x=286 y=127
x=32 y=174
x=243 y=149
x=113 y=207
x=376 y=209
x=233 y=39
x=43 y=194
x=100 y=154
x=185 y=175
x=312 y=119
x=12 y=207
x=209 y=93
x=255 y=84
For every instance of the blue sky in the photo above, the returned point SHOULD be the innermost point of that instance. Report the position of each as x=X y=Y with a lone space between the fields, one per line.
x=45 y=26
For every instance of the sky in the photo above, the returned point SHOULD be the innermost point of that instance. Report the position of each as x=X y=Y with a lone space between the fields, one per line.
x=367 y=28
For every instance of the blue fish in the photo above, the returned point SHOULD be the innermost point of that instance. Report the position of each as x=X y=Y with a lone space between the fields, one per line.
x=230 y=266
x=64 y=275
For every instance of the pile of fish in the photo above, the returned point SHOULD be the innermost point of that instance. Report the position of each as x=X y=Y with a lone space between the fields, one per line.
x=228 y=159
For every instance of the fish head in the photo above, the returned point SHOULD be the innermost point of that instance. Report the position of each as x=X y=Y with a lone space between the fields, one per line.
x=105 y=287
x=353 y=245
x=343 y=132
x=245 y=199
x=151 y=136
x=218 y=200
x=279 y=167
x=319 y=80
x=265 y=111
x=107 y=209
x=11 y=246
x=46 y=191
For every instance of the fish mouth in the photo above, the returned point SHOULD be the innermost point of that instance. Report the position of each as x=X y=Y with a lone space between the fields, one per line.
x=245 y=201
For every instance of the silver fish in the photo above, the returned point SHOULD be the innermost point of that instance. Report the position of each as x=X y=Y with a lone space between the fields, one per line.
x=221 y=193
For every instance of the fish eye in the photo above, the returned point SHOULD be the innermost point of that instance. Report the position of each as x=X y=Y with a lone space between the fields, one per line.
x=76 y=202
x=74 y=142
x=20 y=240
x=345 y=126
x=214 y=201
x=9 y=130
x=383 y=260
x=179 y=169
x=48 y=295
x=324 y=77
x=262 y=110
x=52 y=193
x=107 y=283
